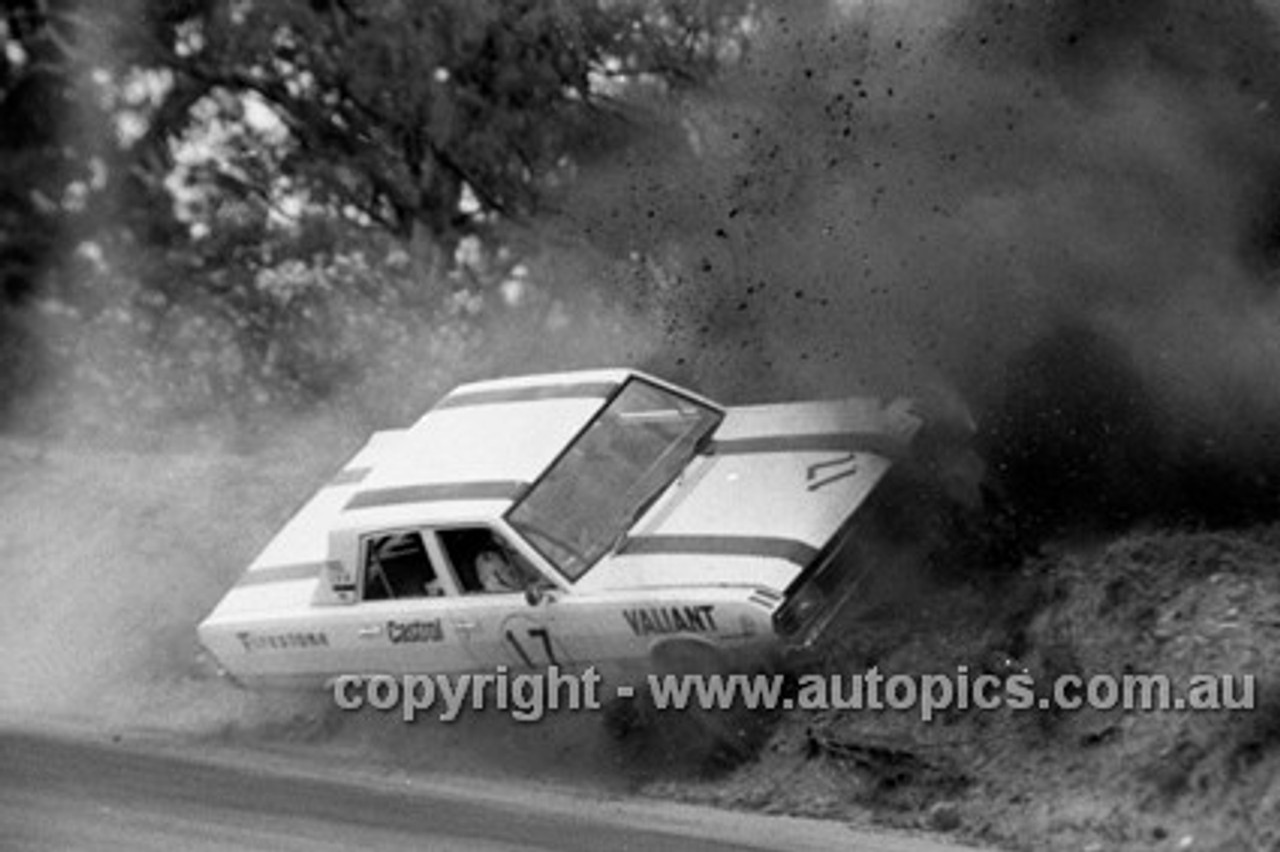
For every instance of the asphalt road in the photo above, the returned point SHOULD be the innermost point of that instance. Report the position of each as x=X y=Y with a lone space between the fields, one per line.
x=79 y=793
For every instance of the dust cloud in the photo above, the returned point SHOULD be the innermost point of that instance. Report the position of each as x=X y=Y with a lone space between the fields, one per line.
x=110 y=558
x=1064 y=214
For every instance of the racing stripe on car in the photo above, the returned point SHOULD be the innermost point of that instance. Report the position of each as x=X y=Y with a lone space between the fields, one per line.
x=790 y=549
x=350 y=476
x=536 y=393
x=858 y=442
x=281 y=573
x=766 y=598
x=438 y=492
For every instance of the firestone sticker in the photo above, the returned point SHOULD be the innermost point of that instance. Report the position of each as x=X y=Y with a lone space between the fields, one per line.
x=282 y=641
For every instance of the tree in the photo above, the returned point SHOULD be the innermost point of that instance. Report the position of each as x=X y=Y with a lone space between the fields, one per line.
x=436 y=120
x=199 y=145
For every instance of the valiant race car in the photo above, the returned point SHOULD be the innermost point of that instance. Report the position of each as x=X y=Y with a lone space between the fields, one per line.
x=598 y=518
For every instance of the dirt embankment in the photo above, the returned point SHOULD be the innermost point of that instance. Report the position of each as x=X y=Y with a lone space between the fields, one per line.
x=1160 y=602
x=109 y=560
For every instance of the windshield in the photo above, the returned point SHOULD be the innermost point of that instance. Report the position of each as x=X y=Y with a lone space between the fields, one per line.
x=610 y=474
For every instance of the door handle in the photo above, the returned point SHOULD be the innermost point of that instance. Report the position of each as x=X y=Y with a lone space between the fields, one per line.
x=369 y=632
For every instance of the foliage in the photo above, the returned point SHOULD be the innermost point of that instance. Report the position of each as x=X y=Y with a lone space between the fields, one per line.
x=223 y=193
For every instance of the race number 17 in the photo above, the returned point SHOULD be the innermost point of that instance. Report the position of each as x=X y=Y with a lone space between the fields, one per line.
x=537 y=642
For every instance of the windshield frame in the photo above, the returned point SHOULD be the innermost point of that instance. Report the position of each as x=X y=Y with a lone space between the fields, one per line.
x=712 y=416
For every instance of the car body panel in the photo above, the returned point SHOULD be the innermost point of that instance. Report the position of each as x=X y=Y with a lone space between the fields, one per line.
x=708 y=560
x=485 y=442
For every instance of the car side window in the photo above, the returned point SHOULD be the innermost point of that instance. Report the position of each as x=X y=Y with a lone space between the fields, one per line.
x=396 y=565
x=484 y=563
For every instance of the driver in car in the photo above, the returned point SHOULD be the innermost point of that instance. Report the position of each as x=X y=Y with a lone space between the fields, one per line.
x=496 y=573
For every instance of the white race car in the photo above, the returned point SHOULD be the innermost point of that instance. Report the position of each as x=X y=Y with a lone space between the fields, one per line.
x=601 y=518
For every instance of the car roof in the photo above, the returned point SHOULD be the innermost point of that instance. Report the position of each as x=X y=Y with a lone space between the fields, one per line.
x=476 y=451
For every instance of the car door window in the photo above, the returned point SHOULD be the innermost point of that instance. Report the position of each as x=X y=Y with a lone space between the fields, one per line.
x=397 y=565
x=484 y=563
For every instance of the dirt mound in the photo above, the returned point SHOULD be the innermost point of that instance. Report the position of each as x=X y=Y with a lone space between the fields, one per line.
x=1170 y=603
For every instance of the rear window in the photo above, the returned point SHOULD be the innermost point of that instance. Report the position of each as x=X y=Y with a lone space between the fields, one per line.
x=396 y=565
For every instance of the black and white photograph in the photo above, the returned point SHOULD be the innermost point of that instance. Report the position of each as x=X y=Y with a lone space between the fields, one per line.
x=793 y=425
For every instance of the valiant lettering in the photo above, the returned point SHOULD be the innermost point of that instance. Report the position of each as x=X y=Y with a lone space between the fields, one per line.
x=671 y=619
